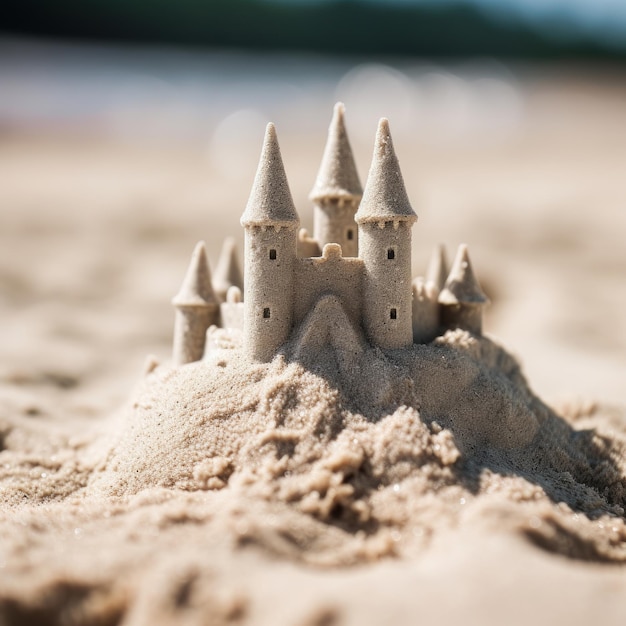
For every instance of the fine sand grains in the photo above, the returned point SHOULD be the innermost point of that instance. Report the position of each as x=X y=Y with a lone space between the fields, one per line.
x=223 y=468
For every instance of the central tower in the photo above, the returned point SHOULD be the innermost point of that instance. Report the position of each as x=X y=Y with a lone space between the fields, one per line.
x=337 y=190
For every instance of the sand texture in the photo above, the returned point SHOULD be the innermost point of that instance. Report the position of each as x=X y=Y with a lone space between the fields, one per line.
x=320 y=469
x=471 y=481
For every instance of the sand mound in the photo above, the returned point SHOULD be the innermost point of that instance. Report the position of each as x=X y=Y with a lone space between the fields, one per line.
x=347 y=469
x=225 y=487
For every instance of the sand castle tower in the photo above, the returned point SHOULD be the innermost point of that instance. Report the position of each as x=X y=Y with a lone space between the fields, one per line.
x=426 y=309
x=437 y=270
x=426 y=318
x=462 y=299
x=197 y=308
x=227 y=273
x=337 y=191
x=385 y=219
x=271 y=226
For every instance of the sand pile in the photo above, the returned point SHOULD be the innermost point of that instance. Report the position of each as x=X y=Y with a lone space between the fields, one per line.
x=357 y=453
x=315 y=459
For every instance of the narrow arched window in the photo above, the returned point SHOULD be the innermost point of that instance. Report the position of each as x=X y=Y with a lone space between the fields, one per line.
x=272 y=254
x=393 y=314
x=350 y=234
x=266 y=313
x=391 y=254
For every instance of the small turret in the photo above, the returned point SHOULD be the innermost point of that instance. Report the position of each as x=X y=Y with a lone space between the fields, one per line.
x=337 y=190
x=197 y=308
x=425 y=311
x=437 y=270
x=462 y=300
x=231 y=310
x=385 y=218
x=227 y=273
x=271 y=230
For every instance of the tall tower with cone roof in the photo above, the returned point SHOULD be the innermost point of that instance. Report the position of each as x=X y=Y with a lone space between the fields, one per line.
x=337 y=190
x=385 y=218
x=197 y=308
x=271 y=226
x=462 y=300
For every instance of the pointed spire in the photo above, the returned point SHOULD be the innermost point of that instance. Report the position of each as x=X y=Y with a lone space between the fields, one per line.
x=270 y=202
x=437 y=270
x=337 y=177
x=228 y=273
x=462 y=286
x=197 y=290
x=384 y=198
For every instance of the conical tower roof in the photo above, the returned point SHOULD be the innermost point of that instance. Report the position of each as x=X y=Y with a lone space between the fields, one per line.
x=437 y=270
x=197 y=289
x=462 y=286
x=337 y=176
x=270 y=202
x=384 y=198
x=228 y=272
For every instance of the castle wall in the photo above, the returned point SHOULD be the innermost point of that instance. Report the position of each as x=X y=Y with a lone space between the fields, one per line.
x=328 y=274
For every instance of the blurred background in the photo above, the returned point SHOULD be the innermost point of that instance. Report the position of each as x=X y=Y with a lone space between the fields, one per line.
x=130 y=129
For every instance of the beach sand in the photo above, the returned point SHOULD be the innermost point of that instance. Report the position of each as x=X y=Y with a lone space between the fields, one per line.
x=442 y=485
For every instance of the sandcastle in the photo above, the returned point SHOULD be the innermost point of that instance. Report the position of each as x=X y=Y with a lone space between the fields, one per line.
x=357 y=263
x=299 y=469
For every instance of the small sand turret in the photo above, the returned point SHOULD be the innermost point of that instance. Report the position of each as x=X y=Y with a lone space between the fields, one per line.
x=337 y=190
x=271 y=231
x=438 y=270
x=231 y=310
x=462 y=299
x=227 y=273
x=425 y=311
x=197 y=308
x=385 y=219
